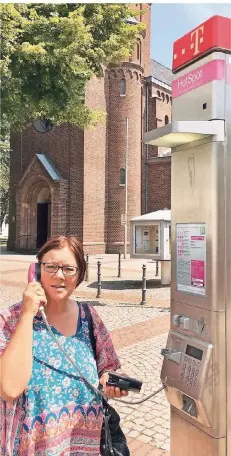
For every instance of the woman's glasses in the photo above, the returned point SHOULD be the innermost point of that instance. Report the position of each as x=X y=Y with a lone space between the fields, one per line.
x=66 y=270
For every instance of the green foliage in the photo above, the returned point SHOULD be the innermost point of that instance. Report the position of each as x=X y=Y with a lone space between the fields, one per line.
x=4 y=176
x=49 y=53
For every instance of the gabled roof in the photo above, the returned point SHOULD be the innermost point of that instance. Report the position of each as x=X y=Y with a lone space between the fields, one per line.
x=161 y=72
x=53 y=173
x=165 y=215
x=46 y=164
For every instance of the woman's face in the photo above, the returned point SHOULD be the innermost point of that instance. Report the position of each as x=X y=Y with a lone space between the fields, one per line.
x=58 y=286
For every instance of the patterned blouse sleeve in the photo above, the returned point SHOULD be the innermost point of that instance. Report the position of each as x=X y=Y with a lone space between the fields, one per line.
x=8 y=320
x=106 y=356
x=5 y=333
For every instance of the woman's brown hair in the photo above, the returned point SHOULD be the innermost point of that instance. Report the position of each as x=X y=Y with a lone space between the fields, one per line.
x=74 y=244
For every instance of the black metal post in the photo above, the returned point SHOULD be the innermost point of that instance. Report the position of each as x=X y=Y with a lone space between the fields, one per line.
x=144 y=285
x=99 y=280
x=87 y=268
x=119 y=265
x=157 y=268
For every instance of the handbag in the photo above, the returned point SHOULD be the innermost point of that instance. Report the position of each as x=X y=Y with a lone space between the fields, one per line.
x=113 y=441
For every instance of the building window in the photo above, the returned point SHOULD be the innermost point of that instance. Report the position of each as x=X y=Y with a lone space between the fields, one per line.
x=158 y=93
x=147 y=239
x=162 y=96
x=167 y=98
x=166 y=120
x=169 y=243
x=138 y=49
x=123 y=87
x=122 y=176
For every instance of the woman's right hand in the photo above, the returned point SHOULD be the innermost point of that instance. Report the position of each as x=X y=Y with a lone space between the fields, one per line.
x=33 y=295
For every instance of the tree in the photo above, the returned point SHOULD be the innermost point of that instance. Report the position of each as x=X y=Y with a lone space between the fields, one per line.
x=4 y=177
x=50 y=51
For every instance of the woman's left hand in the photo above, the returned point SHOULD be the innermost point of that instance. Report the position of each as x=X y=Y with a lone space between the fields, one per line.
x=111 y=391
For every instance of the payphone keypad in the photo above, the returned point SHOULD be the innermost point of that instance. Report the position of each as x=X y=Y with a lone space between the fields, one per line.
x=184 y=376
x=190 y=371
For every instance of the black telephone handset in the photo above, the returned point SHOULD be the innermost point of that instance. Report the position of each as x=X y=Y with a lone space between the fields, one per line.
x=124 y=382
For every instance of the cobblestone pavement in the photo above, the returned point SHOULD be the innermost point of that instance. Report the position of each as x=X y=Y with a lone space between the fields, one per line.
x=138 y=333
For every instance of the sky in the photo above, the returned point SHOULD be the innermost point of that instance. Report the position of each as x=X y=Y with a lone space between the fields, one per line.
x=171 y=21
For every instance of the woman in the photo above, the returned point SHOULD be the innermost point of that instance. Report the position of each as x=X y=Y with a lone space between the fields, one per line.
x=46 y=408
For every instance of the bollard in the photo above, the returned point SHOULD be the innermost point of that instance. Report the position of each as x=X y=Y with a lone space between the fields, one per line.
x=144 y=283
x=157 y=268
x=119 y=265
x=87 y=266
x=99 y=280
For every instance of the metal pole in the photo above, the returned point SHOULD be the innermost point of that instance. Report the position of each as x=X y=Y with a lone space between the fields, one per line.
x=157 y=268
x=87 y=268
x=126 y=193
x=99 y=280
x=119 y=265
x=144 y=284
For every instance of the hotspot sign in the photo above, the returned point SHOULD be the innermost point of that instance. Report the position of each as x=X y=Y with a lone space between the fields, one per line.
x=214 y=70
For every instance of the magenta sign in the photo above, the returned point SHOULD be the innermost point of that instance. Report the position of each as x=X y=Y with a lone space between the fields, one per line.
x=214 y=70
x=191 y=258
x=197 y=273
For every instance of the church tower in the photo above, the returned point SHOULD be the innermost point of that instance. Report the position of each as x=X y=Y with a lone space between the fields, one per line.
x=126 y=112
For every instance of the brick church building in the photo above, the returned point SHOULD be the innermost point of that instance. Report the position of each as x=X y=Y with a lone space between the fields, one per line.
x=65 y=180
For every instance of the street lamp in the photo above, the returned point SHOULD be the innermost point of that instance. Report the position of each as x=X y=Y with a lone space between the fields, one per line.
x=126 y=193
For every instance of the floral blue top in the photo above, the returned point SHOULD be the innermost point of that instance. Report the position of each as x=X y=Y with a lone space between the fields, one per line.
x=59 y=414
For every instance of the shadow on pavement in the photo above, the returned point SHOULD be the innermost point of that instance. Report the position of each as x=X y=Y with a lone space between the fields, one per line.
x=3 y=251
x=127 y=284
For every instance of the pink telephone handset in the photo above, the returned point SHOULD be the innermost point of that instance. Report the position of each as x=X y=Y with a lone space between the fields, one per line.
x=34 y=276
x=34 y=273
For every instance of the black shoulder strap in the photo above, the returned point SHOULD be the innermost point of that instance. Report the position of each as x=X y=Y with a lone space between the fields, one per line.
x=90 y=327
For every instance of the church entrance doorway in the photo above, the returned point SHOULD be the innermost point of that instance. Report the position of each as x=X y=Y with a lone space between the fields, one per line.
x=43 y=217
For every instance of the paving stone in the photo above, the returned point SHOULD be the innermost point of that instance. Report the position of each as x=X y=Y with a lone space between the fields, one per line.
x=155 y=452
x=133 y=433
x=165 y=446
x=134 y=444
x=160 y=437
x=139 y=421
x=149 y=432
x=159 y=429
x=146 y=445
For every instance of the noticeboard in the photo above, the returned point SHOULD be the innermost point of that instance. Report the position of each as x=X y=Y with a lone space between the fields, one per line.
x=191 y=258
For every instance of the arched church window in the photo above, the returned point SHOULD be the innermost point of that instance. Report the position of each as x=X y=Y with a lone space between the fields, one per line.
x=122 y=176
x=123 y=87
x=138 y=48
x=166 y=120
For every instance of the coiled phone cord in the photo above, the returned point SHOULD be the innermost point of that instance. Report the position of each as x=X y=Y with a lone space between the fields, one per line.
x=97 y=392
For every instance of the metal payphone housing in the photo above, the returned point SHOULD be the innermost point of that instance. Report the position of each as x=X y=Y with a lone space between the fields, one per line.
x=197 y=364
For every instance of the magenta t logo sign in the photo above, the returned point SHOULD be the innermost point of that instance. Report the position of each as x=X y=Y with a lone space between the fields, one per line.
x=196 y=39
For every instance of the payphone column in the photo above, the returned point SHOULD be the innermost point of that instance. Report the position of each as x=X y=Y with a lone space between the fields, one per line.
x=197 y=360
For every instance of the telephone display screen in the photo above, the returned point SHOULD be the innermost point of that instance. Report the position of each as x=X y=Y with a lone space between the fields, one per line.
x=194 y=352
